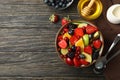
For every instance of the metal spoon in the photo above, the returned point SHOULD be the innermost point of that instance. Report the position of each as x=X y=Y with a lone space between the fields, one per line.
x=100 y=64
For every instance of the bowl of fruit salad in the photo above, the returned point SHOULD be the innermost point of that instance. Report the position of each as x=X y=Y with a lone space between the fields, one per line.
x=59 y=4
x=79 y=43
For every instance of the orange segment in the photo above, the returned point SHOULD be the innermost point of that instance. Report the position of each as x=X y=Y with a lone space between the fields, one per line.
x=80 y=43
x=67 y=35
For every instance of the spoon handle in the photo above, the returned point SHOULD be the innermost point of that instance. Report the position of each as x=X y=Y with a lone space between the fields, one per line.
x=118 y=52
x=91 y=3
x=116 y=40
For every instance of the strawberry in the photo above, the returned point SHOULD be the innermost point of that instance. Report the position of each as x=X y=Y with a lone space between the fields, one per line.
x=66 y=39
x=73 y=40
x=91 y=29
x=97 y=43
x=62 y=44
x=69 y=61
x=65 y=20
x=65 y=30
x=78 y=32
x=76 y=62
x=54 y=18
x=83 y=62
x=59 y=38
x=88 y=49
x=78 y=48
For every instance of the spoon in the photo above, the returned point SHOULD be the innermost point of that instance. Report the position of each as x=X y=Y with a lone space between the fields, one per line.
x=87 y=9
x=100 y=64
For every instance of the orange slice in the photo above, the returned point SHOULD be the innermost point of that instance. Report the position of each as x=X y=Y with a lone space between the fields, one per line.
x=67 y=35
x=80 y=43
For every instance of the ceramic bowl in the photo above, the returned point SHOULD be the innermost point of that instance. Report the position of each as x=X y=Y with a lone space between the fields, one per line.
x=95 y=12
x=59 y=5
x=74 y=59
x=113 y=14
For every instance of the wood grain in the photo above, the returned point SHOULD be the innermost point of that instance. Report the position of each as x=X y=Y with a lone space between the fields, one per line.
x=27 y=40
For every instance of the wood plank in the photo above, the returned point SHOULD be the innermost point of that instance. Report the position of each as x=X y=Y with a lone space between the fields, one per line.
x=50 y=78
x=27 y=43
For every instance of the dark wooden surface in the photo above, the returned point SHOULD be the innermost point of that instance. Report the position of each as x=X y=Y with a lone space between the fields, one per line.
x=27 y=40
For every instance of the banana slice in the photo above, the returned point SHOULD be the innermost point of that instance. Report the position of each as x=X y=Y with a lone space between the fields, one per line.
x=88 y=57
x=64 y=51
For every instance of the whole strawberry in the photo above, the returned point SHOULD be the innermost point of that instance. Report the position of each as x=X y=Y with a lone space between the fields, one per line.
x=54 y=18
x=65 y=20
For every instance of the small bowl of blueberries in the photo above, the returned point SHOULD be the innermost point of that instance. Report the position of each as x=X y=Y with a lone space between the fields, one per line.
x=59 y=4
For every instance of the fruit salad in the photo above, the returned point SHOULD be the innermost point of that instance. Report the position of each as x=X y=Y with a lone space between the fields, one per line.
x=79 y=43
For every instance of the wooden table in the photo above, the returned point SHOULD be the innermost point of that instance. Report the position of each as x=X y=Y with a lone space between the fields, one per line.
x=27 y=40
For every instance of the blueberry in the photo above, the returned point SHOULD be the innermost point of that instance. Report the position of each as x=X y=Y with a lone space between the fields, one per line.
x=62 y=0
x=63 y=5
x=65 y=2
x=73 y=48
x=72 y=26
x=57 y=2
x=60 y=4
x=46 y=1
x=68 y=0
x=91 y=36
x=49 y=4
x=53 y=4
x=71 y=55
x=57 y=6
x=95 y=55
x=71 y=32
x=51 y=1
x=82 y=56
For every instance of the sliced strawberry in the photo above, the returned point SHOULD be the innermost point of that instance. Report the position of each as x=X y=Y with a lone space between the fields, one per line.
x=62 y=44
x=84 y=28
x=65 y=30
x=66 y=39
x=91 y=29
x=78 y=50
x=97 y=43
x=83 y=62
x=73 y=40
x=88 y=49
x=78 y=32
x=69 y=61
x=76 y=62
